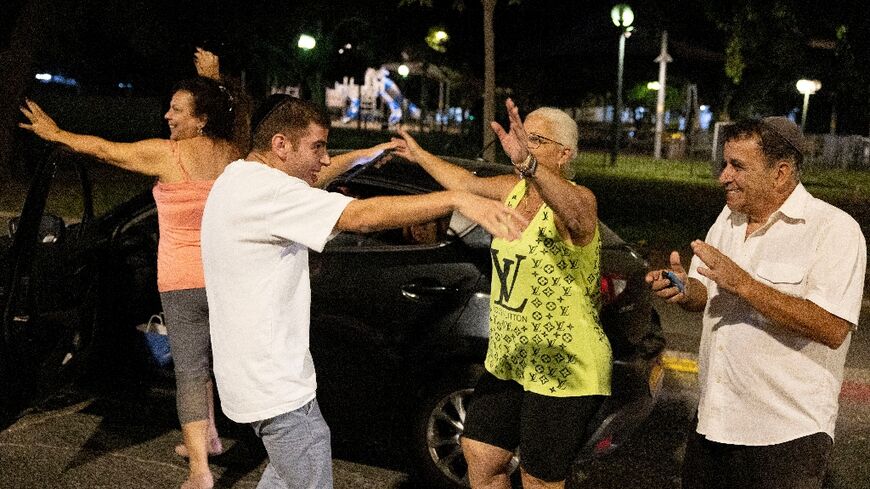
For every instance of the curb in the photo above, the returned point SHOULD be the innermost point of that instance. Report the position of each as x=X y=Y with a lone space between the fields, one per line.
x=680 y=361
x=855 y=387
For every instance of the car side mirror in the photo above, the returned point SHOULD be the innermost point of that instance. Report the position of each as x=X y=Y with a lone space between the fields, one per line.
x=51 y=228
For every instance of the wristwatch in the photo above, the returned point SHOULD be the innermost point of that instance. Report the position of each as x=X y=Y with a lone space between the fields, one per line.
x=528 y=166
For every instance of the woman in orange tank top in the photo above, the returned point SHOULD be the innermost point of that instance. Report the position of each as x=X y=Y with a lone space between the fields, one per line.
x=208 y=130
x=202 y=118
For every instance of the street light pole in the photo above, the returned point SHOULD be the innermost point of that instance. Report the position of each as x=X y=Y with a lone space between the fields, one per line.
x=804 y=112
x=617 y=109
x=622 y=17
x=663 y=61
x=807 y=88
x=306 y=43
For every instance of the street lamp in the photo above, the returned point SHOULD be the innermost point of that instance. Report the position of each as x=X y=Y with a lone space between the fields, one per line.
x=309 y=69
x=306 y=42
x=437 y=39
x=403 y=70
x=622 y=17
x=807 y=87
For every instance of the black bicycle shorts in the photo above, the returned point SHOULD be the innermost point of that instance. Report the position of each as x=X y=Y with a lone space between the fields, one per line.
x=548 y=430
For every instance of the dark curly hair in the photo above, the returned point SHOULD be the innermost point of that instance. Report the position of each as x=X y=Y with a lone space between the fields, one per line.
x=214 y=102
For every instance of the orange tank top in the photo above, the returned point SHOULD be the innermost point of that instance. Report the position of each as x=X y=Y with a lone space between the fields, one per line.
x=179 y=216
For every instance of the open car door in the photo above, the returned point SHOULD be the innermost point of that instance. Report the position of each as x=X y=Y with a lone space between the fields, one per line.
x=47 y=284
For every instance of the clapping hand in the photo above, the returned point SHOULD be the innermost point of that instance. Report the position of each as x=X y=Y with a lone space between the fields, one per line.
x=719 y=268
x=407 y=147
x=664 y=287
x=500 y=220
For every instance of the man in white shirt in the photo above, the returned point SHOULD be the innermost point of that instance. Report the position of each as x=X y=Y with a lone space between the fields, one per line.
x=261 y=218
x=780 y=278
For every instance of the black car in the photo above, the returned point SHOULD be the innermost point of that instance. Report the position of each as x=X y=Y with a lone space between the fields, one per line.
x=399 y=318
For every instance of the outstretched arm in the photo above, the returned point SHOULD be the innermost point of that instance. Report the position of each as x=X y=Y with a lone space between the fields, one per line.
x=367 y=215
x=450 y=176
x=574 y=204
x=149 y=156
x=341 y=163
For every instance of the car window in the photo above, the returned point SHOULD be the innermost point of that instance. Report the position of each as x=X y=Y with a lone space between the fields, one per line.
x=424 y=234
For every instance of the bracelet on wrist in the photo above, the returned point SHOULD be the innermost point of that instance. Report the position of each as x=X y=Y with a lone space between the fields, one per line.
x=528 y=171
x=521 y=166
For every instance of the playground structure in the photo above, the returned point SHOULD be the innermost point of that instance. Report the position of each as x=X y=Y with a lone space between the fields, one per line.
x=363 y=98
x=379 y=99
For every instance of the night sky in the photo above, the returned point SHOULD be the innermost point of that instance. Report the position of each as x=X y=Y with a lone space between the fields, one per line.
x=149 y=41
x=548 y=51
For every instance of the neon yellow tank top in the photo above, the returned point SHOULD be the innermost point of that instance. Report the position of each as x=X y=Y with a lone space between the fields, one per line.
x=544 y=301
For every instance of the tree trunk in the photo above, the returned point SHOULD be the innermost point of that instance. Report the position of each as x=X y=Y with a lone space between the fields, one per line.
x=488 y=79
x=16 y=65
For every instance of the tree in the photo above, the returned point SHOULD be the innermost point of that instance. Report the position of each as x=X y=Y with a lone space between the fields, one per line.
x=488 y=79
x=640 y=95
x=47 y=33
x=852 y=101
x=488 y=70
x=16 y=72
x=765 y=54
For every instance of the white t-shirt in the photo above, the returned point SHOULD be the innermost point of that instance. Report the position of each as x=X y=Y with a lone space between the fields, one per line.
x=257 y=227
x=762 y=384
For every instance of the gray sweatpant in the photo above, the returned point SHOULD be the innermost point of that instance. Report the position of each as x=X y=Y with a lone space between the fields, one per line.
x=186 y=314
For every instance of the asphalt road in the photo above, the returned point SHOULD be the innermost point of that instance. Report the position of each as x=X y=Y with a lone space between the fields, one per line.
x=125 y=438
x=683 y=331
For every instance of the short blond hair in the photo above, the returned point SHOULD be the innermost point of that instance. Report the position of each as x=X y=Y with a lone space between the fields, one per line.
x=564 y=126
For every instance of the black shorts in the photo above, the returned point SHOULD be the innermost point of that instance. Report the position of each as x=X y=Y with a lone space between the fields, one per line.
x=548 y=430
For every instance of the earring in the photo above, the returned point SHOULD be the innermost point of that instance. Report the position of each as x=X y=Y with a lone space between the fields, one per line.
x=200 y=130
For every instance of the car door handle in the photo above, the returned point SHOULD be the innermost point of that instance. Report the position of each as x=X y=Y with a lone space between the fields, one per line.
x=418 y=291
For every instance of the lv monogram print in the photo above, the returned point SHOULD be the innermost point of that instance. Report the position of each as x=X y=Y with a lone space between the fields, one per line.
x=544 y=312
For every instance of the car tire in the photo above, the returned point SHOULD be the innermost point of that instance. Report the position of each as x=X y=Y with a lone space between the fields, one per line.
x=439 y=424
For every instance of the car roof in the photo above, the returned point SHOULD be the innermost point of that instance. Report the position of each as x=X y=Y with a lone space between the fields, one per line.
x=401 y=174
x=404 y=176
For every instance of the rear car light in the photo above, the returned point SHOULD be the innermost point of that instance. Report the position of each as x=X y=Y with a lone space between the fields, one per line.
x=604 y=446
x=612 y=286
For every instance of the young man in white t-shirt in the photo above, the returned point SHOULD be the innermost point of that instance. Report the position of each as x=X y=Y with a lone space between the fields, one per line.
x=261 y=218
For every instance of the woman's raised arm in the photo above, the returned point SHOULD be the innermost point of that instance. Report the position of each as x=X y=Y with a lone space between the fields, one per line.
x=149 y=156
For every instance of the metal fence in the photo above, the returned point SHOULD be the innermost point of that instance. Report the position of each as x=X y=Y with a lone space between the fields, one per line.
x=825 y=150
x=846 y=152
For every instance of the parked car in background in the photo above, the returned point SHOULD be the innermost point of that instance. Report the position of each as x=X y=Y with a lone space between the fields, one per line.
x=399 y=318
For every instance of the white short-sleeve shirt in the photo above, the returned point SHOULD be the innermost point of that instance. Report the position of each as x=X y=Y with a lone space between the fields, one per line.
x=257 y=227
x=762 y=384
